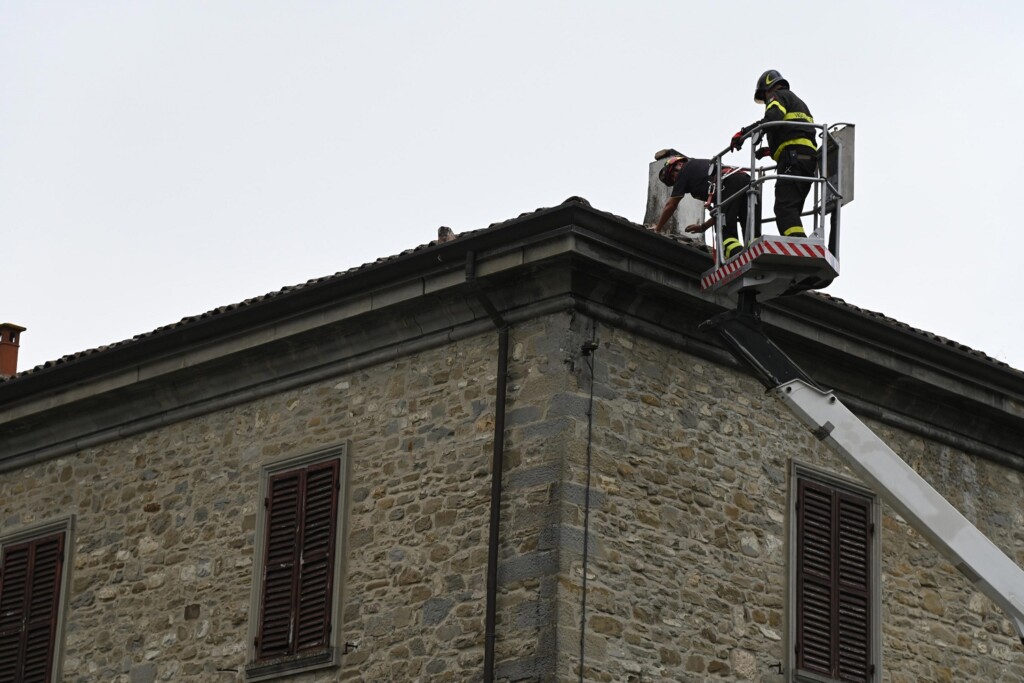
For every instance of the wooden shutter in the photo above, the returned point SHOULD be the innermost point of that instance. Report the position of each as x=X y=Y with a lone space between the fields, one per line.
x=814 y=579
x=853 y=561
x=29 y=602
x=279 y=570
x=317 y=570
x=302 y=510
x=833 y=583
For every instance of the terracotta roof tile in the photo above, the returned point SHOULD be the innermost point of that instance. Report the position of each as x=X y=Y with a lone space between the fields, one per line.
x=221 y=310
x=893 y=322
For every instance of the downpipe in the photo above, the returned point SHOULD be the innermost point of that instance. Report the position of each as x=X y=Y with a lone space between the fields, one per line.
x=497 y=468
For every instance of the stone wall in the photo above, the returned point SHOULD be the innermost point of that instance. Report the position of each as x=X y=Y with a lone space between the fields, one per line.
x=165 y=525
x=686 y=561
x=688 y=534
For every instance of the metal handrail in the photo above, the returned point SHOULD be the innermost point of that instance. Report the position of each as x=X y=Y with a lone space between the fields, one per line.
x=827 y=199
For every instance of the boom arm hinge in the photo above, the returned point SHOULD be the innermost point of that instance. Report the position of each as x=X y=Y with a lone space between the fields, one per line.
x=743 y=335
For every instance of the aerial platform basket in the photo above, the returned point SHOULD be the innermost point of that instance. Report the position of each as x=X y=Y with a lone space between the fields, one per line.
x=770 y=265
x=774 y=266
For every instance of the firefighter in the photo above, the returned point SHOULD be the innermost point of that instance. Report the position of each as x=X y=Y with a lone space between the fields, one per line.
x=792 y=148
x=695 y=177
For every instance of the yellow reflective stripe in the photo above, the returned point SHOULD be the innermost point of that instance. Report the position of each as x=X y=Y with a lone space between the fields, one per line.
x=776 y=103
x=799 y=141
x=795 y=230
x=798 y=115
x=729 y=245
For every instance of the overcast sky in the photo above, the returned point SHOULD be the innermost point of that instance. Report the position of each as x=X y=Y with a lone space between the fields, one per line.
x=160 y=159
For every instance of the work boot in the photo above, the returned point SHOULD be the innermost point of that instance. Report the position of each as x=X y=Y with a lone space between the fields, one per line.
x=730 y=247
x=795 y=231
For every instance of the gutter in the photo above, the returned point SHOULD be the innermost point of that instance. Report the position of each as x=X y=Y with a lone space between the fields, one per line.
x=497 y=467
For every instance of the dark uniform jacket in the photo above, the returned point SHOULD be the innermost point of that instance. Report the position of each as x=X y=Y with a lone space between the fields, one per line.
x=784 y=105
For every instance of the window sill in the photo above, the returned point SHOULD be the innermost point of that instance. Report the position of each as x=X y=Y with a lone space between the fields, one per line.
x=800 y=676
x=287 y=666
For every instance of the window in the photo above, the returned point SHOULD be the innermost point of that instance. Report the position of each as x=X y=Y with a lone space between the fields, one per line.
x=31 y=581
x=835 y=605
x=299 y=575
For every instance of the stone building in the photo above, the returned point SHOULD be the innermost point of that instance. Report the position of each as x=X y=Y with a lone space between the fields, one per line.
x=300 y=487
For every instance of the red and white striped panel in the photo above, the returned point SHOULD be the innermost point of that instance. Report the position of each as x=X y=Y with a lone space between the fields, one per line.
x=730 y=270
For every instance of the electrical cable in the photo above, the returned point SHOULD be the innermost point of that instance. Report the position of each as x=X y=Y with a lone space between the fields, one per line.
x=587 y=350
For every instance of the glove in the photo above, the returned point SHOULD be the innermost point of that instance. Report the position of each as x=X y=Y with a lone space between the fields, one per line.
x=763 y=152
x=737 y=140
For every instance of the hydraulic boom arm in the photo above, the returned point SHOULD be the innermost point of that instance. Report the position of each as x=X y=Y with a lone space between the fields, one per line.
x=924 y=508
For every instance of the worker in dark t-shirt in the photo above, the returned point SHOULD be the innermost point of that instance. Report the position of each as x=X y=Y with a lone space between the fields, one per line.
x=696 y=178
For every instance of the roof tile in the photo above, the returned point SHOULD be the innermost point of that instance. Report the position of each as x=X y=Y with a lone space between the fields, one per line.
x=221 y=310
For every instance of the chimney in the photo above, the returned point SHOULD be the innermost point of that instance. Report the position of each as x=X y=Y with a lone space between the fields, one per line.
x=9 y=335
